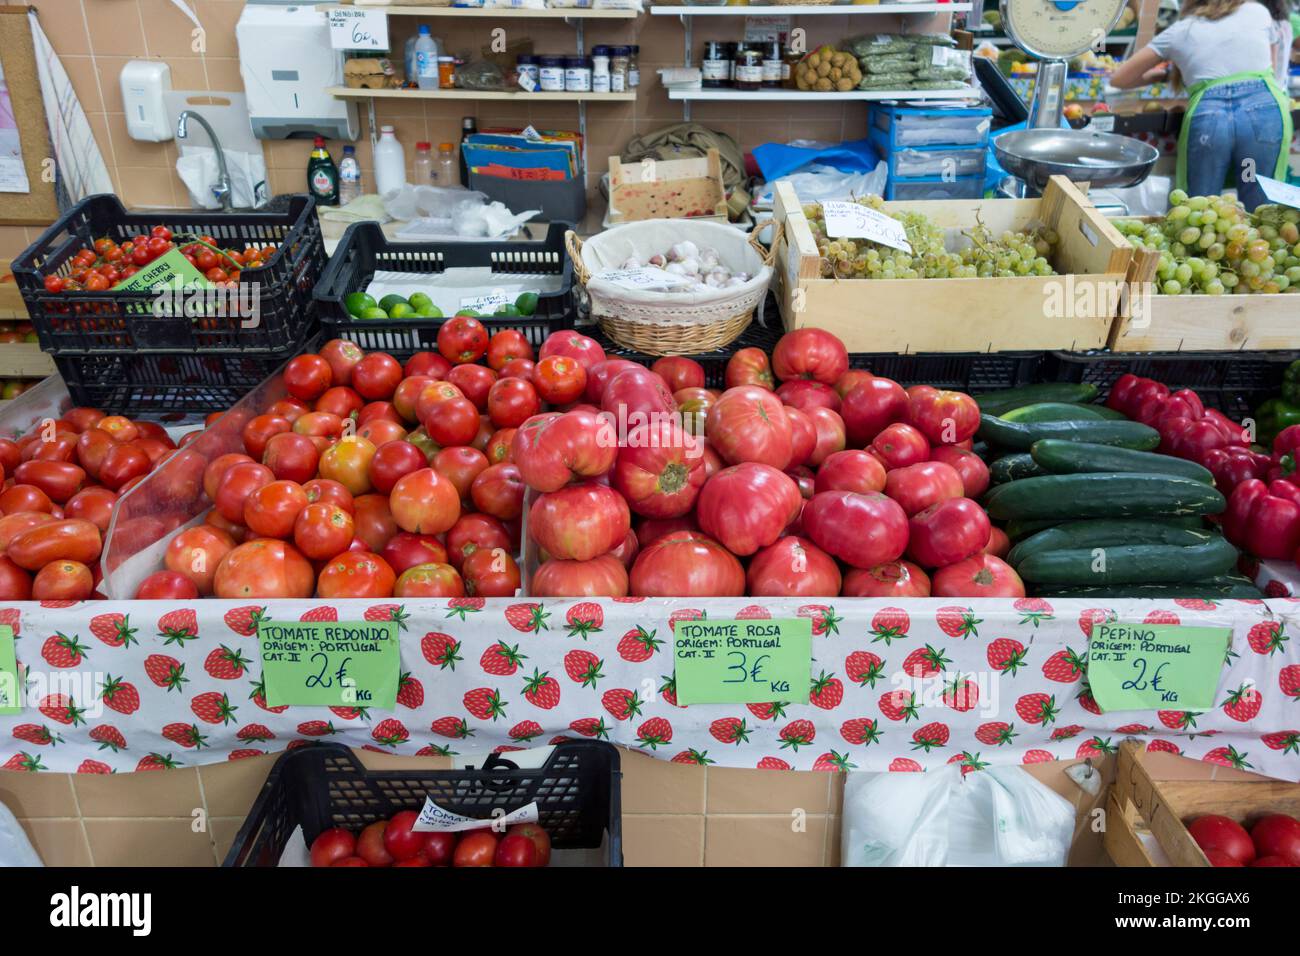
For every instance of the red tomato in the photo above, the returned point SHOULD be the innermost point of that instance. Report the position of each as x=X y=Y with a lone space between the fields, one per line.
x=460 y=465
x=392 y=461
x=1258 y=861
x=380 y=431
x=240 y=481
x=659 y=470
x=154 y=450
x=10 y=455
x=686 y=564
x=999 y=544
x=863 y=530
x=679 y=372
x=429 y=580
x=376 y=376
x=83 y=418
x=93 y=504
x=579 y=521
x=264 y=569
x=453 y=421
x=17 y=499
x=291 y=457
x=747 y=507
x=970 y=466
x=1277 y=835
x=830 y=435
x=749 y=367
x=805 y=394
x=429 y=364
x=851 y=471
x=271 y=510
x=323 y=530
x=559 y=379
x=476 y=848
x=424 y=502
x=896 y=579
x=166 y=586
x=1215 y=832
x=475 y=532
x=348 y=462
x=498 y=490
x=370 y=845
x=600 y=374
x=810 y=353
x=59 y=480
x=553 y=449
x=512 y=401
x=215 y=471
x=516 y=850
x=603 y=576
x=307 y=377
x=401 y=842
x=63 y=581
x=900 y=445
x=541 y=839
x=980 y=576
x=404 y=551
x=356 y=574
x=917 y=487
x=586 y=350
x=325 y=425
x=462 y=339
x=259 y=431
x=71 y=539
x=518 y=368
x=122 y=429
x=331 y=846
x=871 y=406
x=121 y=464
x=341 y=400
x=407 y=394
x=491 y=573
x=439 y=847
x=749 y=424
x=475 y=382
x=637 y=396
x=506 y=346
x=432 y=395
x=944 y=417
x=322 y=489
x=375 y=525
x=15 y=582
x=498 y=446
x=15 y=524
x=947 y=532
x=793 y=567
x=342 y=357
x=195 y=554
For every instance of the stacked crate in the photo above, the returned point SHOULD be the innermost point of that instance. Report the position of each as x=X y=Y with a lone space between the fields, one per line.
x=932 y=153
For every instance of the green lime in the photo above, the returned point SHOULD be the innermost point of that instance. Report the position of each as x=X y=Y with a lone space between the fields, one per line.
x=430 y=311
x=511 y=311
x=390 y=300
x=420 y=301
x=373 y=313
x=401 y=310
x=469 y=312
x=358 y=302
x=526 y=303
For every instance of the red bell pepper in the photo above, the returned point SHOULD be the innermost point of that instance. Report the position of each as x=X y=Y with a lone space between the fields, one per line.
x=1230 y=466
x=1121 y=393
x=1193 y=402
x=1286 y=442
x=1147 y=401
x=1265 y=524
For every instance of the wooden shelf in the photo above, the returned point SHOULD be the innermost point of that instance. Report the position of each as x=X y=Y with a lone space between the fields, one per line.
x=494 y=12
x=965 y=92
x=536 y=97
x=801 y=10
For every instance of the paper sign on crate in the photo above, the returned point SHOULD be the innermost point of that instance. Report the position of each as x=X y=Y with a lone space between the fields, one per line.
x=851 y=220
x=1279 y=192
x=357 y=28
x=10 y=688
x=1156 y=666
x=330 y=663
x=742 y=662
x=647 y=277
x=487 y=303
x=434 y=819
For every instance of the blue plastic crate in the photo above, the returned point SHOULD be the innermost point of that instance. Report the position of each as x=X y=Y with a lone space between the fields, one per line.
x=910 y=162
x=931 y=126
x=934 y=187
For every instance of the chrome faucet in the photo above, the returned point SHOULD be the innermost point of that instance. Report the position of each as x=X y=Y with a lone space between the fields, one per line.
x=221 y=189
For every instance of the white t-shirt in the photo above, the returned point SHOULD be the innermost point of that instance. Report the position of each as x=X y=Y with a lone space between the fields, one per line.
x=1241 y=42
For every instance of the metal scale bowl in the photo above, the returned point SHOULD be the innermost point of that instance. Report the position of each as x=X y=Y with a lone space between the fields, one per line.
x=1055 y=31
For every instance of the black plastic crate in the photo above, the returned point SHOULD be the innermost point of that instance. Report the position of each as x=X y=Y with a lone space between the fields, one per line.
x=324 y=785
x=1233 y=382
x=714 y=363
x=87 y=323
x=365 y=250
x=963 y=371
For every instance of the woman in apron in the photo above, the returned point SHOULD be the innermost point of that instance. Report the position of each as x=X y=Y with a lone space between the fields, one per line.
x=1228 y=55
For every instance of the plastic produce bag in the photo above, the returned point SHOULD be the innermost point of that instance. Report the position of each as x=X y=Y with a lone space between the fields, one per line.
x=15 y=848
x=433 y=213
x=815 y=183
x=1000 y=816
x=481 y=75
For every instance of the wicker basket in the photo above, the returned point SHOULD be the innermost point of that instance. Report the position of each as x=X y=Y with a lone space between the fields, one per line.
x=675 y=323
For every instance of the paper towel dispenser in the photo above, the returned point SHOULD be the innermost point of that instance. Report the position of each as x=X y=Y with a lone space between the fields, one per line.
x=285 y=80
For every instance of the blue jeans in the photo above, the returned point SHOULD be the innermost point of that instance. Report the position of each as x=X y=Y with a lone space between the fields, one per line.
x=1236 y=130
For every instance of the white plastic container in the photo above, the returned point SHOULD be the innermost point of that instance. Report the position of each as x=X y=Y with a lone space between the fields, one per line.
x=426 y=60
x=390 y=162
x=422 y=165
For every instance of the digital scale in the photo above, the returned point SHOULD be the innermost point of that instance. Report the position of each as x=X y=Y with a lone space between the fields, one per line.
x=1055 y=31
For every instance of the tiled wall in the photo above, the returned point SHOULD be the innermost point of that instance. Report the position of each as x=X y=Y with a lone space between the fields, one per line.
x=673 y=814
x=94 y=38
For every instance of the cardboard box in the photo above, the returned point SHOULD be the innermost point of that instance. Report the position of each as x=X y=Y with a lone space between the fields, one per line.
x=667 y=189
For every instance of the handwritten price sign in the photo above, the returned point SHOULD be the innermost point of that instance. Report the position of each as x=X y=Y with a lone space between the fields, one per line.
x=1156 y=666
x=330 y=664
x=742 y=662
x=358 y=29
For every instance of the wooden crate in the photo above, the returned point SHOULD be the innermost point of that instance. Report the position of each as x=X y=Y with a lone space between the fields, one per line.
x=1138 y=802
x=11 y=300
x=667 y=189
x=1201 y=323
x=966 y=315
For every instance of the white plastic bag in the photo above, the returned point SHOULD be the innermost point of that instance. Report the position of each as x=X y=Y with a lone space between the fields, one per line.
x=1000 y=816
x=816 y=182
x=198 y=169
x=15 y=848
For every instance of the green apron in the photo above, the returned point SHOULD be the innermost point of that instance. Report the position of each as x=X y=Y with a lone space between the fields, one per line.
x=1194 y=98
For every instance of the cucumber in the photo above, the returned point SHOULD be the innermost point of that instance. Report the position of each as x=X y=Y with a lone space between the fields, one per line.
x=1020 y=436
x=1052 y=412
x=1072 y=457
x=1122 y=495
x=1010 y=467
x=995 y=403
x=1110 y=414
x=1221 y=587
x=1130 y=564
x=1016 y=530
x=1105 y=533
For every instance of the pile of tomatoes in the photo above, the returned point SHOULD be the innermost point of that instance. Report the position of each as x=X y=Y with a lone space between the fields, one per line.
x=107 y=263
x=1272 y=840
x=374 y=479
x=393 y=842
x=58 y=485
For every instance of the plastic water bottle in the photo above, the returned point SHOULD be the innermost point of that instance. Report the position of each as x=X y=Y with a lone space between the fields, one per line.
x=349 y=176
x=390 y=162
x=422 y=165
x=426 y=60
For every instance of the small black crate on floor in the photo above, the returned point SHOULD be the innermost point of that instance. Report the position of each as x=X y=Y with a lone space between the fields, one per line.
x=365 y=250
x=1233 y=382
x=271 y=309
x=577 y=793
x=963 y=371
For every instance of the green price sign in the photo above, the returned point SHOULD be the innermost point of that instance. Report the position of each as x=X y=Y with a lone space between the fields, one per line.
x=330 y=663
x=1156 y=666
x=10 y=689
x=742 y=662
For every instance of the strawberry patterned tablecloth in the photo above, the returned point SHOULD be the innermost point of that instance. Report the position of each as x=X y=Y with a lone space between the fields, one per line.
x=1276 y=578
x=123 y=686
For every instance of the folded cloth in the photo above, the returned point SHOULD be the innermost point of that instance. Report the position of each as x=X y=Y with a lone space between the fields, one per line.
x=362 y=209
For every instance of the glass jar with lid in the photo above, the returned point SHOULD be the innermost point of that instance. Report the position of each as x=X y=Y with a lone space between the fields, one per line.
x=749 y=70
x=771 y=64
x=715 y=66
x=619 y=60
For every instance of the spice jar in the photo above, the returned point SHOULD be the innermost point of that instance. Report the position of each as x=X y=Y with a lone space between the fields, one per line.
x=633 y=66
x=526 y=67
x=749 y=70
x=600 y=69
x=577 y=74
x=446 y=72
x=715 y=67
x=551 y=73
x=772 y=65
x=789 y=64
x=619 y=59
